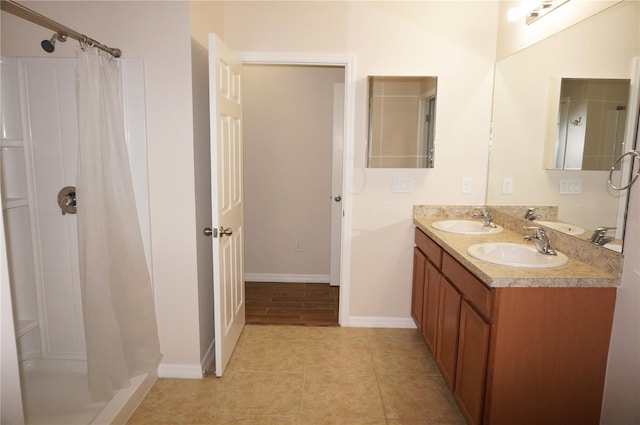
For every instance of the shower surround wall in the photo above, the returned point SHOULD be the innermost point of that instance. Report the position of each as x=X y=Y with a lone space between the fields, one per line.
x=39 y=157
x=51 y=117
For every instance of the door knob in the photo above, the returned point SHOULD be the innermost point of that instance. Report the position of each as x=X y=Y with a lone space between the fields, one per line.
x=225 y=232
x=337 y=198
x=208 y=231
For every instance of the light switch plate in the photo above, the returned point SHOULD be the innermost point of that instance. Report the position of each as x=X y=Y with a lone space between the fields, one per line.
x=466 y=185
x=570 y=186
x=507 y=186
x=402 y=185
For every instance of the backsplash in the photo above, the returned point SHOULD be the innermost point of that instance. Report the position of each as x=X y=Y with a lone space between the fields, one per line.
x=509 y=217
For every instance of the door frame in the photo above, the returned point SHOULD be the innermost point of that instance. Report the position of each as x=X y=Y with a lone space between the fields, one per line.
x=348 y=62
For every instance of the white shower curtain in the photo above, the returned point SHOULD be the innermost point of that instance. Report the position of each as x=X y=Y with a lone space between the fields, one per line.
x=117 y=300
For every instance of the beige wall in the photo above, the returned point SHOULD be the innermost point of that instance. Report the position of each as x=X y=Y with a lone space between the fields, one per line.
x=288 y=129
x=206 y=17
x=454 y=41
x=158 y=32
x=514 y=35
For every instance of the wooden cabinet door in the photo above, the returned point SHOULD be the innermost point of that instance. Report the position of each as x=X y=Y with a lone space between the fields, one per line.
x=473 y=350
x=430 y=306
x=417 y=289
x=448 y=331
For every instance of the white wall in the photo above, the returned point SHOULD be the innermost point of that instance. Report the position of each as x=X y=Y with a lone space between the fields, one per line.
x=159 y=33
x=454 y=41
x=288 y=116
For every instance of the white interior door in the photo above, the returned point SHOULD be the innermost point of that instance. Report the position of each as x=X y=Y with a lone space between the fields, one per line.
x=336 y=183
x=225 y=97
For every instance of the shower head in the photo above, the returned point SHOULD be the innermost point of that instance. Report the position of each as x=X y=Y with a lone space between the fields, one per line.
x=49 y=45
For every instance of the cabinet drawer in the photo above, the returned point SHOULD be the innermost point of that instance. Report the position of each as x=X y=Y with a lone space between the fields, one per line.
x=471 y=287
x=429 y=247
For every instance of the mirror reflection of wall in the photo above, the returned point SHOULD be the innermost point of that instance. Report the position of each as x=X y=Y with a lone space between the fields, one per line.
x=591 y=122
x=401 y=122
x=601 y=47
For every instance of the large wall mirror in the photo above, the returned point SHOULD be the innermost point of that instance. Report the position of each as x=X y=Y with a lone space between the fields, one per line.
x=527 y=98
x=402 y=113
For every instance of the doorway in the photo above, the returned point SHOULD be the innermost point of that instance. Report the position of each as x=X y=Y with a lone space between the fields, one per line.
x=289 y=199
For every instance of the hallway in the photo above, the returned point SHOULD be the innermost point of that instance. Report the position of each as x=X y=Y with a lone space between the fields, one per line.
x=311 y=304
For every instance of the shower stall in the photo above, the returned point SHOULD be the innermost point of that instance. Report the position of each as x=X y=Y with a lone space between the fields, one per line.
x=38 y=158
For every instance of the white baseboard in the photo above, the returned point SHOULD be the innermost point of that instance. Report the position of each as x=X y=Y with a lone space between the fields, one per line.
x=185 y=371
x=293 y=278
x=381 y=322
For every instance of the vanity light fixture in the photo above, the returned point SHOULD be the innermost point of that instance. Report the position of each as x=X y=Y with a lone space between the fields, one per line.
x=542 y=8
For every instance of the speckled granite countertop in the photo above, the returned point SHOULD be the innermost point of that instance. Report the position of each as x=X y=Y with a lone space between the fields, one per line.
x=574 y=274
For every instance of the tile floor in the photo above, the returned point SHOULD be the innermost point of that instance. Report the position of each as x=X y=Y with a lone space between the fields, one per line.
x=292 y=303
x=302 y=375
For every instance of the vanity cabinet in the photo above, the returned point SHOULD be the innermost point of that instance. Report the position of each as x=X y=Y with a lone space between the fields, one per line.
x=417 y=288
x=514 y=355
x=448 y=330
x=426 y=287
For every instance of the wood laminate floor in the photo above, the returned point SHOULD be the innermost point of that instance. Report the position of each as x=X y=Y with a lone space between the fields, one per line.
x=313 y=304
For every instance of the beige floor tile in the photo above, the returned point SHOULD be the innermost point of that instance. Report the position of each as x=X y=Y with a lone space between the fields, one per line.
x=404 y=359
x=281 y=333
x=424 y=397
x=256 y=420
x=341 y=396
x=252 y=394
x=264 y=355
x=380 y=338
x=170 y=399
x=338 y=335
x=341 y=421
x=344 y=358
x=293 y=375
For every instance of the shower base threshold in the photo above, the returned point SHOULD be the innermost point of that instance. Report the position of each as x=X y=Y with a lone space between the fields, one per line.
x=55 y=392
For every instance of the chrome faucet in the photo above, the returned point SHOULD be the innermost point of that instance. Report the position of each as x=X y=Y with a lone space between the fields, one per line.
x=486 y=217
x=541 y=240
x=599 y=236
x=531 y=214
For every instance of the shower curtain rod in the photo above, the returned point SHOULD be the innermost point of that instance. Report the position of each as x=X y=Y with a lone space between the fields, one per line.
x=23 y=12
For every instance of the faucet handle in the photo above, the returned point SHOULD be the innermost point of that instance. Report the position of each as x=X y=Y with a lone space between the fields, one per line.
x=599 y=233
x=531 y=214
x=541 y=240
x=538 y=232
x=484 y=212
x=486 y=217
x=604 y=229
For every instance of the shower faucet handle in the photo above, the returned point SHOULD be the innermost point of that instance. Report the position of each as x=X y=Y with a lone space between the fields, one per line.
x=67 y=200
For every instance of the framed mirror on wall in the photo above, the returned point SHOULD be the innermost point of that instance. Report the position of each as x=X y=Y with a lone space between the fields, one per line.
x=402 y=119
x=523 y=155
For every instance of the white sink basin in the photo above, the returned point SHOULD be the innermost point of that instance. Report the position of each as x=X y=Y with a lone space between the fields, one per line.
x=515 y=255
x=567 y=228
x=466 y=227
x=614 y=247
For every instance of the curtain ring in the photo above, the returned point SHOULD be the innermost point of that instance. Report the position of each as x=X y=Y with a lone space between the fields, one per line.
x=636 y=154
